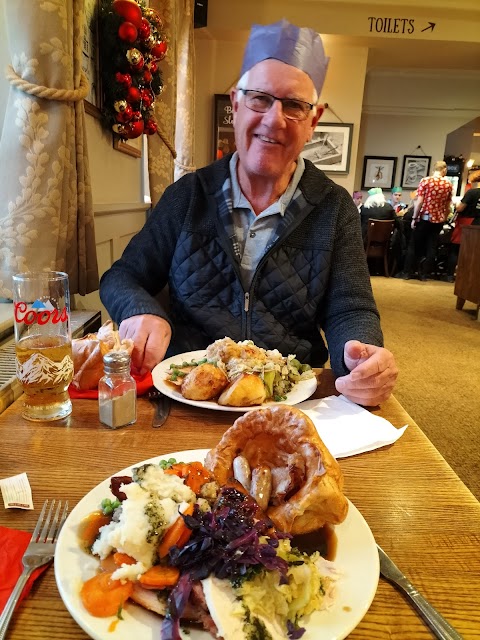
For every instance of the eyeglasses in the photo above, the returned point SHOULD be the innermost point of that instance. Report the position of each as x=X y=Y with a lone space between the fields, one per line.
x=262 y=102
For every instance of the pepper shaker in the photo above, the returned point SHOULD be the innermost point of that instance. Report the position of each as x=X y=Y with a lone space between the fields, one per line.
x=117 y=391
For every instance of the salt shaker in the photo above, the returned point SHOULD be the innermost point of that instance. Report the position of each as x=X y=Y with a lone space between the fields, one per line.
x=117 y=392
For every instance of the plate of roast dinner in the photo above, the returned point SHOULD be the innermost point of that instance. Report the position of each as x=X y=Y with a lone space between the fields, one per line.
x=234 y=376
x=251 y=540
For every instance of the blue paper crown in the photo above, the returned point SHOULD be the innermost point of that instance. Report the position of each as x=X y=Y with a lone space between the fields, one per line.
x=299 y=47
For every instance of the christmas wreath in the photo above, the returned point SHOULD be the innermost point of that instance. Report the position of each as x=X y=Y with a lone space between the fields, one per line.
x=132 y=43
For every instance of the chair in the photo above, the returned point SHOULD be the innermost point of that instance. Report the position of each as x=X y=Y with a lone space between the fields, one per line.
x=377 y=245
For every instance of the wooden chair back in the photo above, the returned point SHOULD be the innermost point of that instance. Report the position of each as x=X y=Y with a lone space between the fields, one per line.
x=379 y=233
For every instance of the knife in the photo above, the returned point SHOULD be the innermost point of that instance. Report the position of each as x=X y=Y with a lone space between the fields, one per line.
x=162 y=407
x=437 y=623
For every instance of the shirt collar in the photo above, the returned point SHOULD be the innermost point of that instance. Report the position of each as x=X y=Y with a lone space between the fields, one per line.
x=239 y=200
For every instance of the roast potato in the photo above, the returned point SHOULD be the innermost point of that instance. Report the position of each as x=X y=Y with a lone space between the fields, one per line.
x=245 y=391
x=273 y=437
x=204 y=382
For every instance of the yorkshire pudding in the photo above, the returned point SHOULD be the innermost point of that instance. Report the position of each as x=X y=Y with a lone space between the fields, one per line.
x=272 y=437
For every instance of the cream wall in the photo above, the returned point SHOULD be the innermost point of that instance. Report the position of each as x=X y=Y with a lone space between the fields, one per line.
x=406 y=109
x=216 y=72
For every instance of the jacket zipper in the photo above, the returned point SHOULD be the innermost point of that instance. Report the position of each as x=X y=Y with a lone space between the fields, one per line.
x=246 y=302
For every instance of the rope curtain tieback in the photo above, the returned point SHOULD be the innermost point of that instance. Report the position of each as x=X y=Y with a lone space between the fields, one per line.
x=66 y=95
x=166 y=142
x=62 y=95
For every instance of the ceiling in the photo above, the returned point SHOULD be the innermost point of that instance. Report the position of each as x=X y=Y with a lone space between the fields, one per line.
x=460 y=52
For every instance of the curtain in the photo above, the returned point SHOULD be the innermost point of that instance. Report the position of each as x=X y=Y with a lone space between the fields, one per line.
x=174 y=108
x=46 y=212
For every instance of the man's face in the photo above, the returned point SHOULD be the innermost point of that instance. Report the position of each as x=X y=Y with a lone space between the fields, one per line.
x=397 y=197
x=268 y=143
x=358 y=200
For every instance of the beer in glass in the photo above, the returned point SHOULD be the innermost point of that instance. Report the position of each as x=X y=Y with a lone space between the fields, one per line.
x=43 y=343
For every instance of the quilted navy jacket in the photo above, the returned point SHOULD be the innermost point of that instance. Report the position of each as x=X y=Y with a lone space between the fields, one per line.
x=313 y=277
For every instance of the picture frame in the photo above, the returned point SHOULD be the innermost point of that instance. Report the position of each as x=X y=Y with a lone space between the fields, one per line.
x=131 y=147
x=223 y=133
x=91 y=58
x=414 y=169
x=330 y=147
x=378 y=171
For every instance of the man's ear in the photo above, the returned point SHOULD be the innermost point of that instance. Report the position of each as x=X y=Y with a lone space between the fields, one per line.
x=234 y=101
x=315 y=119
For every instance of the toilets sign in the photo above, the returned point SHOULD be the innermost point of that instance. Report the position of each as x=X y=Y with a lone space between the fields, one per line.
x=400 y=26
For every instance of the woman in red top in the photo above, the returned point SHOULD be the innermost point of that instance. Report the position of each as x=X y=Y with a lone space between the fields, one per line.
x=434 y=196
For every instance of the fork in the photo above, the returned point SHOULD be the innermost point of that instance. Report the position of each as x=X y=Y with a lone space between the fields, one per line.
x=40 y=551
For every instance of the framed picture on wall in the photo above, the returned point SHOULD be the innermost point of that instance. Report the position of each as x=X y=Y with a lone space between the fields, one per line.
x=330 y=147
x=90 y=58
x=414 y=169
x=223 y=135
x=378 y=171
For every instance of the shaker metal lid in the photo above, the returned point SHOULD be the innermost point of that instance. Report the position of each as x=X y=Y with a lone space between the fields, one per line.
x=116 y=361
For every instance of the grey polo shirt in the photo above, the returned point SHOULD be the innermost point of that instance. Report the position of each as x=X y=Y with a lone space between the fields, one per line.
x=253 y=232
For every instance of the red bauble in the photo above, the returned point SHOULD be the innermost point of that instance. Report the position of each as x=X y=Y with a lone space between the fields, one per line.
x=144 y=29
x=159 y=50
x=127 y=31
x=153 y=66
x=147 y=76
x=133 y=95
x=124 y=78
x=136 y=116
x=125 y=115
x=129 y=10
x=147 y=98
x=150 y=127
x=134 y=129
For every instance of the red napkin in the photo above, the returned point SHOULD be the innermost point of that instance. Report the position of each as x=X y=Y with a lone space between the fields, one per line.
x=144 y=383
x=12 y=547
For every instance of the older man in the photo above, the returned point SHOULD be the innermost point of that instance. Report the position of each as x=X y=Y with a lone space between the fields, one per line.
x=260 y=244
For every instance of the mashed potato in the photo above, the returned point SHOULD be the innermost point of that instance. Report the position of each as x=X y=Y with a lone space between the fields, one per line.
x=152 y=505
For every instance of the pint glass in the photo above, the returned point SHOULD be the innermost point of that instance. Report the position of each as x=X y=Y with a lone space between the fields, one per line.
x=43 y=343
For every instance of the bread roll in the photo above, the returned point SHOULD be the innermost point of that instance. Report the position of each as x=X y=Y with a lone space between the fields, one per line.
x=88 y=355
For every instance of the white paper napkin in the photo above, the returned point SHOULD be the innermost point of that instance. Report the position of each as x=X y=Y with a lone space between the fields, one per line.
x=348 y=429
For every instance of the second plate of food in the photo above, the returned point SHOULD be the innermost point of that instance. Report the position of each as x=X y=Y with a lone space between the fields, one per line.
x=300 y=392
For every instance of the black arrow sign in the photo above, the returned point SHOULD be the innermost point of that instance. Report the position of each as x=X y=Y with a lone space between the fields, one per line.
x=431 y=27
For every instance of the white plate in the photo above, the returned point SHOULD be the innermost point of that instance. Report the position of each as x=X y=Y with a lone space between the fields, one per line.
x=356 y=559
x=300 y=392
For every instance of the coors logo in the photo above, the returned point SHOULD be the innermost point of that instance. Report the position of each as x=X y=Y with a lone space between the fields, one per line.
x=39 y=313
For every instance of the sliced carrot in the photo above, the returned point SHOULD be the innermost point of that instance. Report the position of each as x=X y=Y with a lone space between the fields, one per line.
x=90 y=526
x=197 y=477
x=123 y=558
x=174 y=533
x=194 y=474
x=103 y=597
x=160 y=577
x=179 y=469
x=184 y=538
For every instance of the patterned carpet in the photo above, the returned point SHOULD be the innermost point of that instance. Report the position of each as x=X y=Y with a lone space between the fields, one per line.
x=437 y=349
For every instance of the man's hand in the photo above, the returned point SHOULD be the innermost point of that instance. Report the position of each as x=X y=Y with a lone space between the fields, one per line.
x=372 y=376
x=151 y=336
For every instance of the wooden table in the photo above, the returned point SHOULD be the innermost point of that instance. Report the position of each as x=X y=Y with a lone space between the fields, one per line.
x=418 y=509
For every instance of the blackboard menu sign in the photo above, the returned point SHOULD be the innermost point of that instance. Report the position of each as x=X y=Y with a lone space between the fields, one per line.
x=223 y=136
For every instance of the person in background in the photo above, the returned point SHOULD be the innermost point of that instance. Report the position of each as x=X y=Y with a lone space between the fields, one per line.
x=358 y=199
x=432 y=207
x=396 y=200
x=467 y=212
x=375 y=207
x=261 y=244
